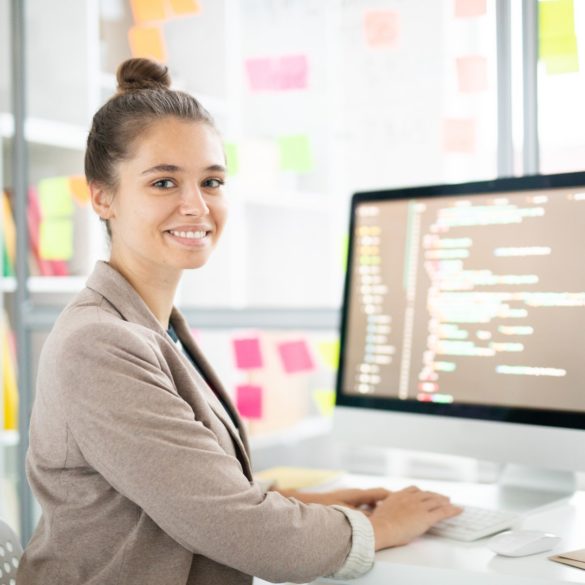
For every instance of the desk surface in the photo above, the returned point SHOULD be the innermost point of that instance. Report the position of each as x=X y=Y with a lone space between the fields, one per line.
x=431 y=559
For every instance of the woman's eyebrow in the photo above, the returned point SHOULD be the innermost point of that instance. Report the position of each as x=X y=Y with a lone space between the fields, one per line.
x=166 y=168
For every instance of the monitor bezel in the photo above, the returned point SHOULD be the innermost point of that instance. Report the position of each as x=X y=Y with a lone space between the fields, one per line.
x=529 y=416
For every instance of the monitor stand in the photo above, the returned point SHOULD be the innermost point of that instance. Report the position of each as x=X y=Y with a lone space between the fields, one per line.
x=522 y=489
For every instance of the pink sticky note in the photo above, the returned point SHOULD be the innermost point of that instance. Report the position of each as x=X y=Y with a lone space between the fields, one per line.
x=249 y=400
x=459 y=135
x=292 y=72
x=295 y=356
x=472 y=74
x=381 y=28
x=262 y=75
x=469 y=8
x=247 y=353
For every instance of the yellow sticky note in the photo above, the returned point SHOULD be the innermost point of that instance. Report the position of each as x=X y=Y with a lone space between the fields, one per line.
x=148 y=42
x=55 y=197
x=295 y=153
x=185 y=7
x=345 y=251
x=56 y=239
x=325 y=401
x=329 y=353
x=79 y=189
x=148 y=10
x=231 y=155
x=294 y=478
x=557 y=39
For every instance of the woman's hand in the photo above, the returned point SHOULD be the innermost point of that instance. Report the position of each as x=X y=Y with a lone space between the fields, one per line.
x=408 y=513
x=364 y=500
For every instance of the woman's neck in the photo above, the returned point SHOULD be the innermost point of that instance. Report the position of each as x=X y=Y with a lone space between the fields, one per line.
x=156 y=289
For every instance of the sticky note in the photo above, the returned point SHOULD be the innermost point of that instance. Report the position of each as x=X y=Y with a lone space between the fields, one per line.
x=249 y=401
x=325 y=401
x=558 y=47
x=469 y=8
x=459 y=135
x=472 y=74
x=185 y=7
x=344 y=251
x=247 y=352
x=56 y=239
x=381 y=28
x=294 y=478
x=55 y=197
x=295 y=153
x=231 y=155
x=148 y=10
x=262 y=75
x=148 y=42
x=79 y=189
x=295 y=356
x=329 y=353
x=292 y=72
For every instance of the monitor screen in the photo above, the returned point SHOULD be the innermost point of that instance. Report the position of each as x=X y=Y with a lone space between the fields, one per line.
x=468 y=301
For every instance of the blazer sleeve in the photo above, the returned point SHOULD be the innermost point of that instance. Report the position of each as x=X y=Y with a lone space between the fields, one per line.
x=135 y=430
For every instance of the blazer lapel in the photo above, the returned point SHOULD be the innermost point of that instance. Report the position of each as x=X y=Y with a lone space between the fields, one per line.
x=238 y=433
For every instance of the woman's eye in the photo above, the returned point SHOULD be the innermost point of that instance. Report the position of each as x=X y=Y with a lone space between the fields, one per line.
x=163 y=184
x=213 y=183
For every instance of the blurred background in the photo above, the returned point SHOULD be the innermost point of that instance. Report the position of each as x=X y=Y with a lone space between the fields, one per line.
x=315 y=100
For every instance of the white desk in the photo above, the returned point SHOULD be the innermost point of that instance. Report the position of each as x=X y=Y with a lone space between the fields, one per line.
x=440 y=561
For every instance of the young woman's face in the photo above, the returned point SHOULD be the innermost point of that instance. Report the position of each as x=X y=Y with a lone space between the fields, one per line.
x=169 y=209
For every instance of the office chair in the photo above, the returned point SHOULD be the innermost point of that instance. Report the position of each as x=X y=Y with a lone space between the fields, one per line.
x=10 y=553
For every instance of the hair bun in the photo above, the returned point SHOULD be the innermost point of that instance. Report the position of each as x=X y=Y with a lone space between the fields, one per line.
x=136 y=74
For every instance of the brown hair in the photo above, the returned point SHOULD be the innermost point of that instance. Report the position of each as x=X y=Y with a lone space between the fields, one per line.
x=143 y=97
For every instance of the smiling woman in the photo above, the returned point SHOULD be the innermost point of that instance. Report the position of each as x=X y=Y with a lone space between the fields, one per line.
x=137 y=456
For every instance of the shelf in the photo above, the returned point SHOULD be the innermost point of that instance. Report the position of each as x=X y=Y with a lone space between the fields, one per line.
x=46 y=132
x=8 y=438
x=7 y=284
x=46 y=284
x=306 y=429
x=56 y=284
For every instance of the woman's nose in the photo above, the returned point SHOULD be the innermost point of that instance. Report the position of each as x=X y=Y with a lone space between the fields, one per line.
x=193 y=202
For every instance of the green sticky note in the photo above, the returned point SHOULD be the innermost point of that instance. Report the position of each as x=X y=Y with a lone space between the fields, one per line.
x=295 y=153
x=56 y=239
x=325 y=401
x=231 y=155
x=55 y=198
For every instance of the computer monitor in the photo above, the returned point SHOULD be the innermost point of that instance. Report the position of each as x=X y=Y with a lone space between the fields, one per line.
x=463 y=325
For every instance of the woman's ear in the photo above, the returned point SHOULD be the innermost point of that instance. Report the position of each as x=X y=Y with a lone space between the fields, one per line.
x=101 y=200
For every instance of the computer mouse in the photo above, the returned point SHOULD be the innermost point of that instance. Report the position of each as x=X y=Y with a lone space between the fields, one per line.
x=519 y=543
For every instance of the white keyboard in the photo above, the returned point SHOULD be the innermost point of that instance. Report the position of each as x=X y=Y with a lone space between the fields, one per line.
x=474 y=523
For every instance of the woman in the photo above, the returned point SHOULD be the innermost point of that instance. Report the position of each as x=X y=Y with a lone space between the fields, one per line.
x=137 y=456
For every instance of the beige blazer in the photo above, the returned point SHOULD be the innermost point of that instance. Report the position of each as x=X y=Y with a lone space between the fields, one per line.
x=142 y=477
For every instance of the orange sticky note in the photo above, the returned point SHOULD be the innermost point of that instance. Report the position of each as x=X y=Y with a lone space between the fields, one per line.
x=148 y=10
x=79 y=188
x=469 y=8
x=381 y=28
x=472 y=74
x=459 y=135
x=185 y=7
x=148 y=42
